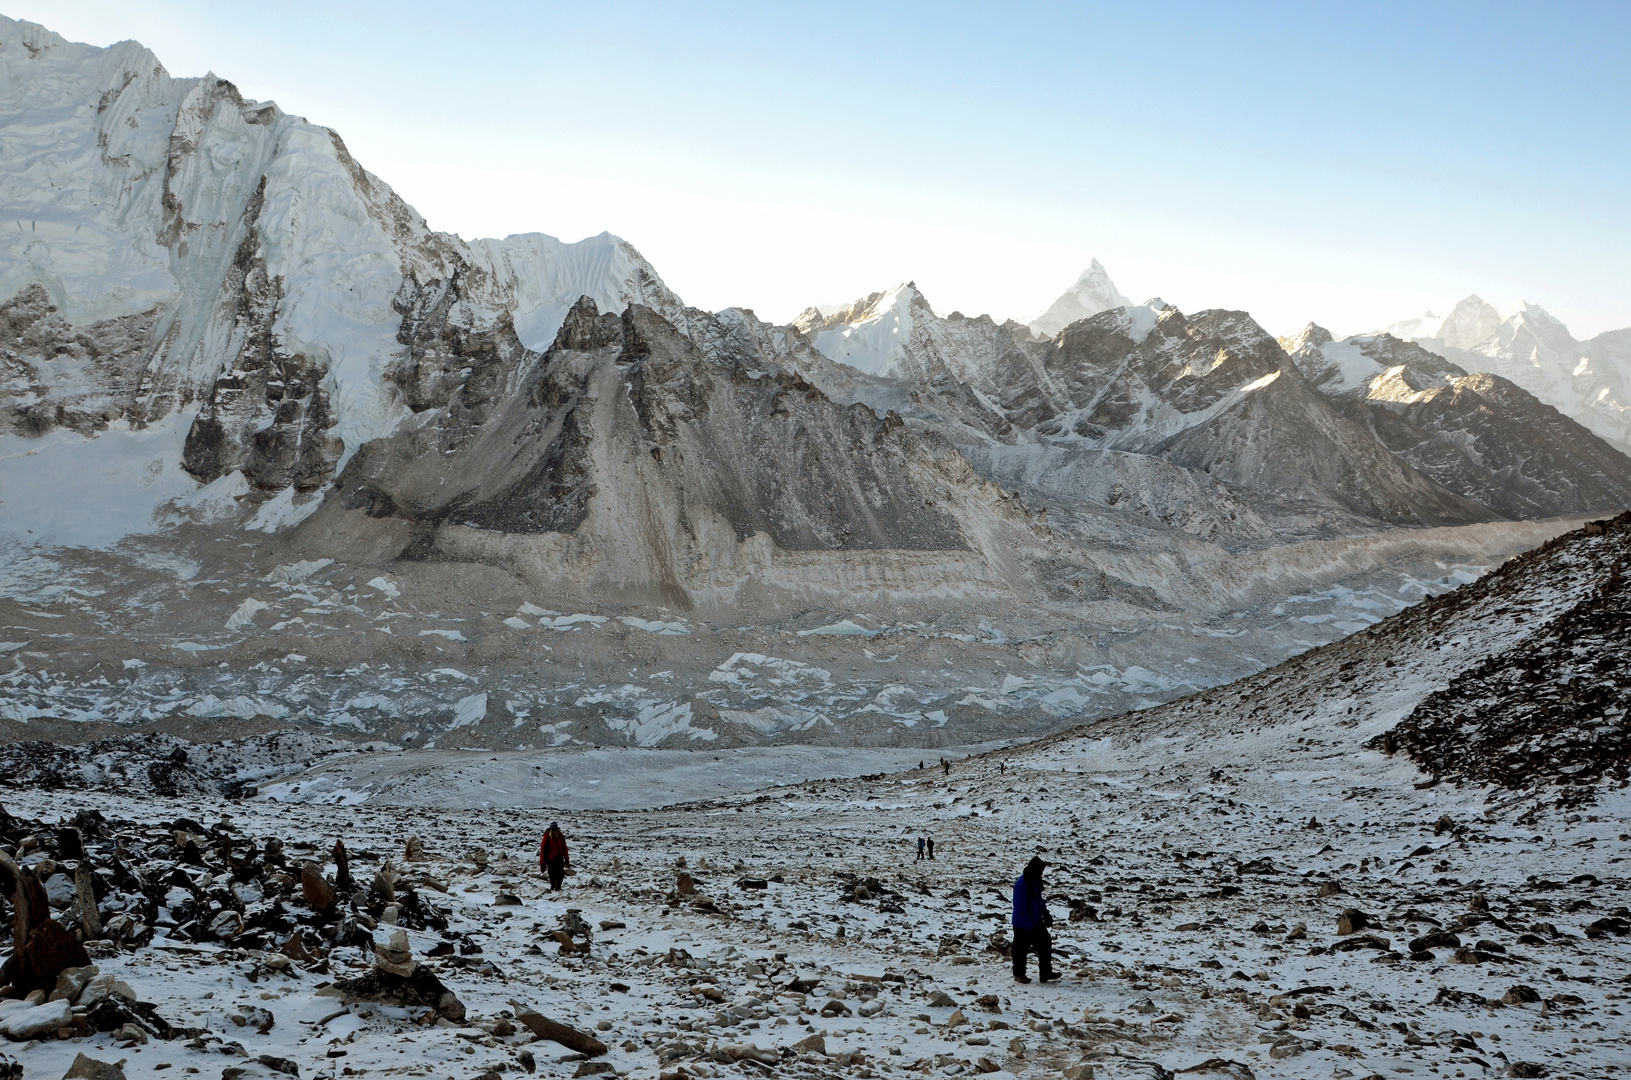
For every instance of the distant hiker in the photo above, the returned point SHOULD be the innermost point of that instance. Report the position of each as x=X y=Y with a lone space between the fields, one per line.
x=1002 y=766
x=920 y=766
x=930 y=843
x=1031 y=922
x=920 y=849
x=552 y=855
x=946 y=765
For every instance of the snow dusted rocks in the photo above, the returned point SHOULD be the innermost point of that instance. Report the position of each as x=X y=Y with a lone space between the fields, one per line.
x=856 y=959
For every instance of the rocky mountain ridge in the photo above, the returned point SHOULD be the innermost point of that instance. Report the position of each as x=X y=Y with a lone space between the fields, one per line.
x=1589 y=381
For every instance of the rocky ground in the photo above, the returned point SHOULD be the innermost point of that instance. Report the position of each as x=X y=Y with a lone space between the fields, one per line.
x=1280 y=904
x=1269 y=879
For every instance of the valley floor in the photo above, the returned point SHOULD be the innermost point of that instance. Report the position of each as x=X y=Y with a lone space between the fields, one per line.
x=1208 y=874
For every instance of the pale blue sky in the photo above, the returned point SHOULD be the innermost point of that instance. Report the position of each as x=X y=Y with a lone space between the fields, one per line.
x=1351 y=164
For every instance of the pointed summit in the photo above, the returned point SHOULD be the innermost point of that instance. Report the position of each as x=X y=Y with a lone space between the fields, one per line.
x=1093 y=292
x=870 y=335
x=1469 y=322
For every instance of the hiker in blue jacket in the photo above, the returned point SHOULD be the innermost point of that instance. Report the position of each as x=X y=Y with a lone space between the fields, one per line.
x=1031 y=922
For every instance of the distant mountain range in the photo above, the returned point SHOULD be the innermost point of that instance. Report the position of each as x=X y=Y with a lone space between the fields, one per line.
x=216 y=326
x=1587 y=380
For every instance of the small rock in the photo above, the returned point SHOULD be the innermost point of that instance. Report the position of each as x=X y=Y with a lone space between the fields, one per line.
x=1521 y=995
x=685 y=885
x=835 y=1008
x=942 y=1000
x=956 y=1019
x=415 y=850
x=506 y=899
x=1352 y=921
x=815 y=1044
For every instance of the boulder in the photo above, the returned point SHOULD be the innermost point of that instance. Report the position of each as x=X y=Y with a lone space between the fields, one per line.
x=1352 y=921
x=37 y=1021
x=72 y=981
x=422 y=988
x=814 y=1044
x=103 y=986
x=90 y=920
x=50 y=951
x=569 y=1037
x=318 y=893
x=89 y=1068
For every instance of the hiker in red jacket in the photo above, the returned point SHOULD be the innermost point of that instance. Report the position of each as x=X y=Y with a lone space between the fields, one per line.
x=552 y=855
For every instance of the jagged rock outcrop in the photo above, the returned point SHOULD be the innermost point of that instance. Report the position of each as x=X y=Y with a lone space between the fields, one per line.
x=1479 y=436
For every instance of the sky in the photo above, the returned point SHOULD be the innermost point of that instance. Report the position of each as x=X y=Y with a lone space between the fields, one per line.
x=1346 y=163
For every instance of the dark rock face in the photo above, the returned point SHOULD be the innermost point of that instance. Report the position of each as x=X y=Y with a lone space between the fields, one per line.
x=268 y=413
x=56 y=374
x=1487 y=439
x=1555 y=709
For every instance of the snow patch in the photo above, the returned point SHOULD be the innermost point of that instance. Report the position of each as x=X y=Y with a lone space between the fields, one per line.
x=245 y=615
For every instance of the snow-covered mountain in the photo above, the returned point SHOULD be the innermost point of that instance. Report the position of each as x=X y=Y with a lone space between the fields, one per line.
x=1092 y=293
x=176 y=248
x=1479 y=435
x=1588 y=380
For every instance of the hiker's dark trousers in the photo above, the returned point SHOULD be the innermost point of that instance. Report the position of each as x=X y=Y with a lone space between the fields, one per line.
x=1037 y=940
